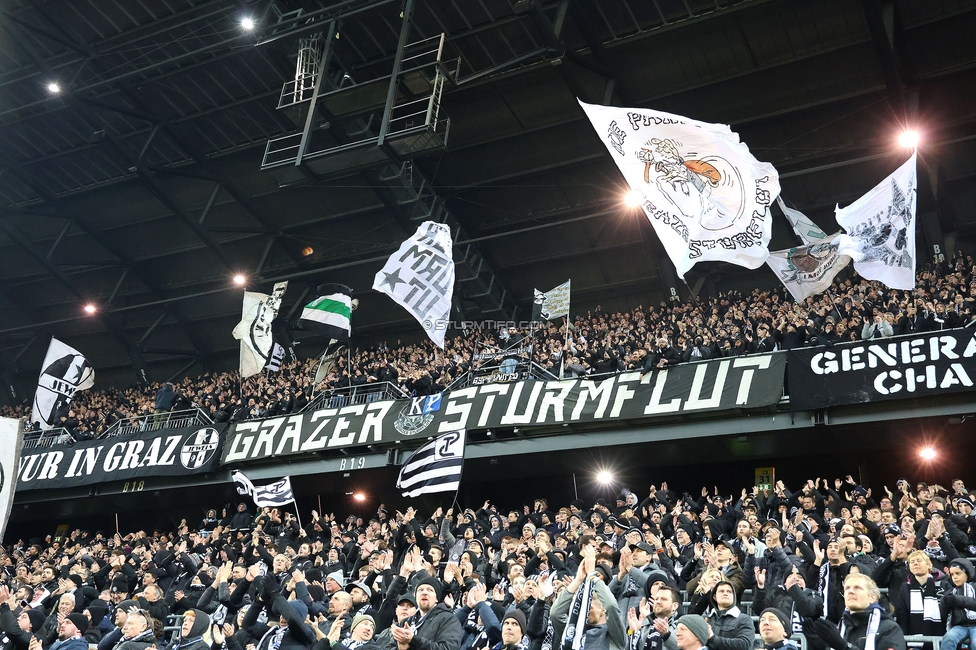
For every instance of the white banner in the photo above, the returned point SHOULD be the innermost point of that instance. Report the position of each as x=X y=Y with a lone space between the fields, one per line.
x=554 y=303
x=420 y=278
x=11 y=439
x=272 y=495
x=880 y=227
x=65 y=371
x=705 y=194
x=254 y=330
x=809 y=269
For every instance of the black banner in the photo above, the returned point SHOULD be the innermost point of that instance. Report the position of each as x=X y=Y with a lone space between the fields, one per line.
x=717 y=385
x=897 y=368
x=167 y=452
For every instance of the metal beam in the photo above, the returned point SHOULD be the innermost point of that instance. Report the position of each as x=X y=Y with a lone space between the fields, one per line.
x=316 y=88
x=394 y=78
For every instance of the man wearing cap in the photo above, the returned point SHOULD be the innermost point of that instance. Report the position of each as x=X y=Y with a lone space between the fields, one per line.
x=360 y=594
x=731 y=628
x=514 y=627
x=634 y=567
x=774 y=630
x=864 y=624
x=691 y=632
x=18 y=630
x=436 y=628
x=394 y=614
x=70 y=632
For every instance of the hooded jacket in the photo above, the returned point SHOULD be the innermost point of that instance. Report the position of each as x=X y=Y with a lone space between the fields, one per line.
x=194 y=639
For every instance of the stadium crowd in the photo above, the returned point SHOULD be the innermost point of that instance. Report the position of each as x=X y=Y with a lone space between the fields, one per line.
x=598 y=342
x=830 y=563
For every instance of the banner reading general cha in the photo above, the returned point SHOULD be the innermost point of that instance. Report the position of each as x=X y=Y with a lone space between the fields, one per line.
x=897 y=368
x=716 y=385
x=167 y=452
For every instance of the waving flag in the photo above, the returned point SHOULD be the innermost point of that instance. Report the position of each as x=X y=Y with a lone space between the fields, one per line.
x=435 y=467
x=254 y=330
x=64 y=373
x=551 y=304
x=880 y=229
x=331 y=313
x=705 y=194
x=272 y=495
x=420 y=278
x=808 y=269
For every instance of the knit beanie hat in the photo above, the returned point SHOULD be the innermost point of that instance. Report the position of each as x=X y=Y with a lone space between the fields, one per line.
x=80 y=620
x=359 y=618
x=433 y=582
x=519 y=618
x=783 y=618
x=696 y=625
x=37 y=619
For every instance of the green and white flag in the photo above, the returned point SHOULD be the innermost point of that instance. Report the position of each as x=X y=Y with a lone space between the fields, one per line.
x=329 y=315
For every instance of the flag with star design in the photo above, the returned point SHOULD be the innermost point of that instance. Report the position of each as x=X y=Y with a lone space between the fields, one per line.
x=65 y=372
x=420 y=278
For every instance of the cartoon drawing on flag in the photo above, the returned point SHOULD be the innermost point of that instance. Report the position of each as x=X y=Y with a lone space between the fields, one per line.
x=254 y=330
x=706 y=195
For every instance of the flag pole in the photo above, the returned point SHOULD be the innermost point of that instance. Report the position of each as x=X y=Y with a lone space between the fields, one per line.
x=298 y=515
x=833 y=302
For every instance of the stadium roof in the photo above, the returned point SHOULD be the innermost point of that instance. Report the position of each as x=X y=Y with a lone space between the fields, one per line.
x=136 y=184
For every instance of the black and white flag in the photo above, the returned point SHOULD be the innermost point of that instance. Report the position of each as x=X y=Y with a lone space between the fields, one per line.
x=254 y=330
x=11 y=440
x=277 y=356
x=808 y=269
x=272 y=495
x=65 y=372
x=706 y=195
x=548 y=305
x=880 y=227
x=420 y=278
x=435 y=467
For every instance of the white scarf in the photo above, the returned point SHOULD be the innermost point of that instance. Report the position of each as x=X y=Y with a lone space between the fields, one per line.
x=874 y=622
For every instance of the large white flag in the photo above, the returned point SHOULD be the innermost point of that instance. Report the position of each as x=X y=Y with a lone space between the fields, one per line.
x=705 y=194
x=880 y=229
x=808 y=269
x=420 y=278
x=254 y=330
x=11 y=439
x=65 y=372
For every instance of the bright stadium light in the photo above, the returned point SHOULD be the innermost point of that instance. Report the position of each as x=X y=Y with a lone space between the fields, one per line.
x=604 y=477
x=247 y=23
x=927 y=454
x=239 y=280
x=54 y=87
x=633 y=199
x=909 y=139
x=359 y=496
x=90 y=308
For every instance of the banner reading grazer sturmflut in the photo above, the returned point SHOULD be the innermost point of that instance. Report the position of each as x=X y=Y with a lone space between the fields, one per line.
x=716 y=385
x=882 y=369
x=168 y=452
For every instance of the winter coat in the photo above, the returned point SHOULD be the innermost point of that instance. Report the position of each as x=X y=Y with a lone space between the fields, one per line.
x=440 y=630
x=733 y=630
x=889 y=634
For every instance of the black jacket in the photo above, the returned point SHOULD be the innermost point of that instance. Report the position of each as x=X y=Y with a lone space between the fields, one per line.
x=440 y=630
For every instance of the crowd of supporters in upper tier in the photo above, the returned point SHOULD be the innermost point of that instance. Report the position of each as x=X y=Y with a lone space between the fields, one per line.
x=598 y=342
